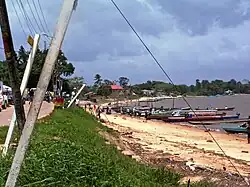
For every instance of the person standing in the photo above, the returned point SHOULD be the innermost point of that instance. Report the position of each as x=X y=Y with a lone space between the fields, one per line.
x=98 y=112
x=77 y=102
x=248 y=132
x=31 y=95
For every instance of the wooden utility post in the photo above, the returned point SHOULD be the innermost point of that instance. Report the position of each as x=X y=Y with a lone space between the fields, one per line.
x=23 y=86
x=62 y=25
x=11 y=63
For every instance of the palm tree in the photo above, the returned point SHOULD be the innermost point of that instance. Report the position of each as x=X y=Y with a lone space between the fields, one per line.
x=98 y=80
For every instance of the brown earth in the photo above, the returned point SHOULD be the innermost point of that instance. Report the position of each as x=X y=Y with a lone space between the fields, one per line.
x=188 y=150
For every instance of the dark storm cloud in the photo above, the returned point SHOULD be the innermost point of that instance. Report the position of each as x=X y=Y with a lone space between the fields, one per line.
x=189 y=37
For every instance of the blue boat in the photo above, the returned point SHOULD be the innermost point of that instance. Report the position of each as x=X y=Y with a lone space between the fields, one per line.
x=234 y=130
x=231 y=117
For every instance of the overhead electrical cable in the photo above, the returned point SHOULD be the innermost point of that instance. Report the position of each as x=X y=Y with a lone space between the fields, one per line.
x=38 y=15
x=44 y=20
x=34 y=17
x=19 y=20
x=171 y=81
x=25 y=18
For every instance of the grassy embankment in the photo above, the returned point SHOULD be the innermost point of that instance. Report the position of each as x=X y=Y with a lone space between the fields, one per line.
x=66 y=150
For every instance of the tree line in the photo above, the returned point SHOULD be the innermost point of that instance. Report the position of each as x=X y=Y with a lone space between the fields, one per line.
x=201 y=87
x=62 y=68
x=102 y=86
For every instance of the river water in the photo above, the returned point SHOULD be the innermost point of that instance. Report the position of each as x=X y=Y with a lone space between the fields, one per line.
x=240 y=102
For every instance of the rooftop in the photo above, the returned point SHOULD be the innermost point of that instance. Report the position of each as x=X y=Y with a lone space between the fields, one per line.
x=116 y=87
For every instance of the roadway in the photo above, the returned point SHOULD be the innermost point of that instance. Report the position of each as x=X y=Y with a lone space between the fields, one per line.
x=5 y=115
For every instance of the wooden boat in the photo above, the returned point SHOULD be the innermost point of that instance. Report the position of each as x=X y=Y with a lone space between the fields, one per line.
x=159 y=116
x=141 y=111
x=225 y=109
x=220 y=121
x=186 y=119
x=198 y=118
x=234 y=130
x=188 y=115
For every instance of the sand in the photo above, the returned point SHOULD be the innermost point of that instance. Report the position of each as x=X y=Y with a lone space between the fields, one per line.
x=186 y=143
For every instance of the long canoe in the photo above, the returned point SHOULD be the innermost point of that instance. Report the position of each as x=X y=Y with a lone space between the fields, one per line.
x=198 y=118
x=234 y=130
x=225 y=109
x=220 y=121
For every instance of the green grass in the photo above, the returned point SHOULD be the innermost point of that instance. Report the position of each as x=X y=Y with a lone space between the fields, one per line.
x=3 y=133
x=66 y=150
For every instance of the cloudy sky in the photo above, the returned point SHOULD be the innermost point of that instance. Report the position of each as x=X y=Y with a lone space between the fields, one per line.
x=191 y=38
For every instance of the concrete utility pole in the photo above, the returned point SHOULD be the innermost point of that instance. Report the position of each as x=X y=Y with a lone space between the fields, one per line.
x=62 y=24
x=25 y=79
x=71 y=102
x=11 y=62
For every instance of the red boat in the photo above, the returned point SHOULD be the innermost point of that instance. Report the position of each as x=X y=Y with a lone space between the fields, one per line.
x=199 y=118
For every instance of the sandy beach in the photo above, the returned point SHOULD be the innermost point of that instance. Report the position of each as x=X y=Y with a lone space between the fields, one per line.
x=179 y=143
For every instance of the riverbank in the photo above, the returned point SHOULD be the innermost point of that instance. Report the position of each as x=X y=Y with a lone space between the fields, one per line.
x=191 y=146
x=72 y=149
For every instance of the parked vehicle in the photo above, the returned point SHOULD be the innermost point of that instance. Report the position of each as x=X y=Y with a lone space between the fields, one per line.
x=3 y=96
x=5 y=101
x=1 y=102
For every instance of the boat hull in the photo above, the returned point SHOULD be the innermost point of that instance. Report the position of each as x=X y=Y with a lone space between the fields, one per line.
x=235 y=130
x=226 y=109
x=198 y=118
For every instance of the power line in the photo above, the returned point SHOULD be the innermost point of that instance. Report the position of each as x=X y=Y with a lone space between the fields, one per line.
x=171 y=81
x=41 y=29
x=38 y=26
x=19 y=20
x=44 y=20
x=25 y=18
x=39 y=18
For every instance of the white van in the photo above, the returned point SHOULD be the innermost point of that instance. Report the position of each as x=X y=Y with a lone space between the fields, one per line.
x=3 y=101
x=3 y=97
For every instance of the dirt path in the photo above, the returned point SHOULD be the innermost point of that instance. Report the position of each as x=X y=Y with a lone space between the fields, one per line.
x=5 y=115
x=188 y=145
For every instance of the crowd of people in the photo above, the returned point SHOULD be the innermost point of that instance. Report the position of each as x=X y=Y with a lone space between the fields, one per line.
x=97 y=110
x=31 y=93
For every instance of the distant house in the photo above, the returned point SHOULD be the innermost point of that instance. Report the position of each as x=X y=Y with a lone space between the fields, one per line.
x=229 y=92
x=116 y=90
x=116 y=87
x=148 y=92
